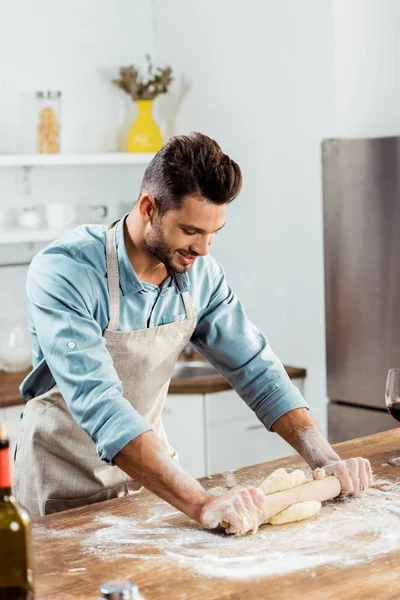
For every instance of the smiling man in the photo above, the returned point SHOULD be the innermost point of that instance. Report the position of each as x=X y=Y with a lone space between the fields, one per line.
x=110 y=310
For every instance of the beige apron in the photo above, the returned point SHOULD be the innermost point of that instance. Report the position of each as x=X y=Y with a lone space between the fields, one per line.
x=56 y=464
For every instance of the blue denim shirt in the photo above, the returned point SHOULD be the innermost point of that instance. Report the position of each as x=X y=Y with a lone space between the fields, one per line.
x=69 y=308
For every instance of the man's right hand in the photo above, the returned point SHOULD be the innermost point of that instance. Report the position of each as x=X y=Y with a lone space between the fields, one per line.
x=238 y=511
x=147 y=461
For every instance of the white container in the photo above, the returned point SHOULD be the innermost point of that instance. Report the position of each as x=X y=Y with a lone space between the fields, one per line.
x=29 y=218
x=59 y=216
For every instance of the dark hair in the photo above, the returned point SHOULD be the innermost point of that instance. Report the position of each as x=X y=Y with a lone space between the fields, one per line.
x=191 y=165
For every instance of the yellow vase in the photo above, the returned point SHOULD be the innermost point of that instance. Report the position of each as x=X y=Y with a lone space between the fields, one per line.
x=144 y=134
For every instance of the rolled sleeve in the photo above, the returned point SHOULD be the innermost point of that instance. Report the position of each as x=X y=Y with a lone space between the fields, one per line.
x=281 y=401
x=61 y=304
x=240 y=351
x=114 y=434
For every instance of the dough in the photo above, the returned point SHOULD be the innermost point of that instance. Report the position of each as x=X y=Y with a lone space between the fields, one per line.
x=279 y=481
x=282 y=480
x=297 y=512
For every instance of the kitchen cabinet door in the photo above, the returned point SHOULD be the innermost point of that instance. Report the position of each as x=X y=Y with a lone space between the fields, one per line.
x=183 y=418
x=235 y=436
x=241 y=443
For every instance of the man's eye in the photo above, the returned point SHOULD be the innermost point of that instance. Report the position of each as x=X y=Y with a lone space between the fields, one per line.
x=189 y=232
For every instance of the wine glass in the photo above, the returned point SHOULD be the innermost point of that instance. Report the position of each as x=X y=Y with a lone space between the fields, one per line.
x=392 y=399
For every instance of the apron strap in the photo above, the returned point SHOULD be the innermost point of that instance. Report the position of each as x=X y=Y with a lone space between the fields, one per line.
x=113 y=277
x=189 y=308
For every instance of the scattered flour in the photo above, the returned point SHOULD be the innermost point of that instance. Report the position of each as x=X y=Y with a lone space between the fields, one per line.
x=348 y=531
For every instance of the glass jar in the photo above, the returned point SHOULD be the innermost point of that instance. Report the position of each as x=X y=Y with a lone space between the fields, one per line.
x=49 y=121
x=15 y=345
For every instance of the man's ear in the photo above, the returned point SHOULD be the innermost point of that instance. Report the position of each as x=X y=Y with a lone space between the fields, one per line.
x=147 y=207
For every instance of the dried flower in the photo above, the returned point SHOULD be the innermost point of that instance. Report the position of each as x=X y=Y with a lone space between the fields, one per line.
x=140 y=88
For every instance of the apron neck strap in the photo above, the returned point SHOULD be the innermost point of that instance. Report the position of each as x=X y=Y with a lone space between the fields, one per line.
x=189 y=308
x=112 y=276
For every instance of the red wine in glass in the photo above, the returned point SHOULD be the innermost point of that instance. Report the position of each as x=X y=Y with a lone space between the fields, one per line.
x=392 y=399
x=394 y=410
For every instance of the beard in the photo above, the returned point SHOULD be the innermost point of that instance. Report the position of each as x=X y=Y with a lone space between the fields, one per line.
x=159 y=247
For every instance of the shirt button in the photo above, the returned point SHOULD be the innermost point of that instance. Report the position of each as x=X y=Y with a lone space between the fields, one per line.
x=71 y=345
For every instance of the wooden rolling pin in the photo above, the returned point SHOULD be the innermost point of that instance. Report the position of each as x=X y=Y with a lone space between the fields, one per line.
x=320 y=489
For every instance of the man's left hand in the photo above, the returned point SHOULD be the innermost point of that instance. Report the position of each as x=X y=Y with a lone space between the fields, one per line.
x=354 y=474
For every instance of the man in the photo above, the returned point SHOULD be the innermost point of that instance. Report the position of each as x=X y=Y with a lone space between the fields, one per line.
x=110 y=310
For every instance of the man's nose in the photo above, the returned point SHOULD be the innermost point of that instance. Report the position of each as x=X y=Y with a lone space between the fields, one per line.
x=201 y=245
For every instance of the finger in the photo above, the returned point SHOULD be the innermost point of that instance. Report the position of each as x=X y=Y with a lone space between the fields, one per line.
x=253 y=511
x=341 y=472
x=231 y=516
x=254 y=500
x=369 y=471
x=354 y=475
x=230 y=520
x=363 y=475
x=260 y=501
x=242 y=512
x=256 y=506
x=319 y=473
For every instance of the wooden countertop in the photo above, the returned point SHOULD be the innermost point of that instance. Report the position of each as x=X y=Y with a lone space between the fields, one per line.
x=10 y=396
x=142 y=538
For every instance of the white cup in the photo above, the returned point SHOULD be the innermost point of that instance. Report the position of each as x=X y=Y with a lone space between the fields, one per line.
x=59 y=215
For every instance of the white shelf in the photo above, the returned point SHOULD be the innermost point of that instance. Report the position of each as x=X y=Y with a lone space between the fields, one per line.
x=20 y=236
x=70 y=160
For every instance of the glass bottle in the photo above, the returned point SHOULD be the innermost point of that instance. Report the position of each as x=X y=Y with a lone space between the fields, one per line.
x=15 y=535
x=49 y=121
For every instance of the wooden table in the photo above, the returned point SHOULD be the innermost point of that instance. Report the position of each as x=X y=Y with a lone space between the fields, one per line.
x=71 y=562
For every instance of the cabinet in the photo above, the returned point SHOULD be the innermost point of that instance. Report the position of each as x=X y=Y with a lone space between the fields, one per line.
x=218 y=432
x=184 y=422
x=235 y=436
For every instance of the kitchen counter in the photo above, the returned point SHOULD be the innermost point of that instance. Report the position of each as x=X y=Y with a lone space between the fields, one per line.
x=214 y=383
x=352 y=550
x=10 y=396
x=9 y=384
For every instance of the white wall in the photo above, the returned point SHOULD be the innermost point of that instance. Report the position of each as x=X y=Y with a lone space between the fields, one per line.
x=262 y=78
x=76 y=47
x=367 y=67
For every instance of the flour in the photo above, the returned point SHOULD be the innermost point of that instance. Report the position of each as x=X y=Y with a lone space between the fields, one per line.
x=348 y=531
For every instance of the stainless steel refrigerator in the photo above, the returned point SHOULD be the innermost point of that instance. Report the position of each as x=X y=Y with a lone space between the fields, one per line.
x=361 y=200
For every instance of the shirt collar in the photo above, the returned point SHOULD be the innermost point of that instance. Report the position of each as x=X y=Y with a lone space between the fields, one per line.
x=129 y=281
